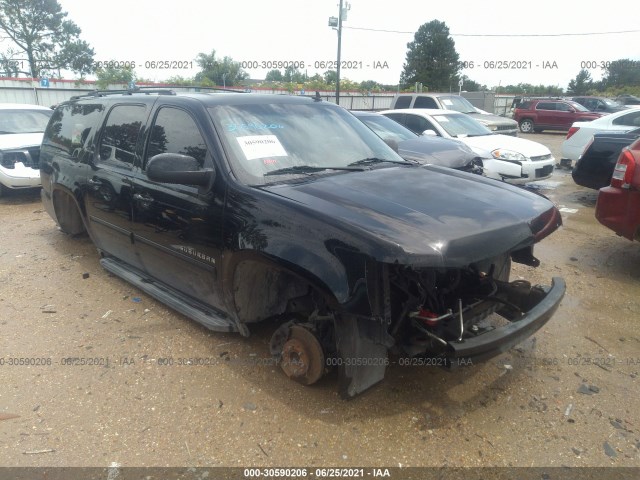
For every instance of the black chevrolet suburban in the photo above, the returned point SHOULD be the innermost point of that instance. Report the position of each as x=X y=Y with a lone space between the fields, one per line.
x=236 y=208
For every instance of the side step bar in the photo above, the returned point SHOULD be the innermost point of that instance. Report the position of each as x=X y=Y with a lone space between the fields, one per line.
x=188 y=306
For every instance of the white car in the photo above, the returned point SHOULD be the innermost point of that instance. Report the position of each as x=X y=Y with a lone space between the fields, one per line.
x=21 y=129
x=580 y=133
x=512 y=159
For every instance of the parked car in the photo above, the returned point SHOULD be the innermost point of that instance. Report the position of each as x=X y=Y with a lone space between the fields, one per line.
x=627 y=99
x=599 y=104
x=514 y=160
x=240 y=208
x=457 y=103
x=580 y=133
x=595 y=166
x=424 y=149
x=540 y=114
x=618 y=206
x=21 y=129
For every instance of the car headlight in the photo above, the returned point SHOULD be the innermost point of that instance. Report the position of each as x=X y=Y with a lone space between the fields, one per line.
x=510 y=155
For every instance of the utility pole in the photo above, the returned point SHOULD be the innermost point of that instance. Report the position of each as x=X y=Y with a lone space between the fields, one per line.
x=337 y=22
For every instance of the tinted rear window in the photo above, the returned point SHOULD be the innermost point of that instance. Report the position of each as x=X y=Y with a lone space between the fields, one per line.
x=403 y=102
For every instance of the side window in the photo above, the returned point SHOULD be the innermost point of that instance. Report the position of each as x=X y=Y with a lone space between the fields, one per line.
x=396 y=117
x=546 y=106
x=425 y=102
x=120 y=135
x=632 y=119
x=563 y=107
x=175 y=131
x=403 y=102
x=70 y=127
x=418 y=124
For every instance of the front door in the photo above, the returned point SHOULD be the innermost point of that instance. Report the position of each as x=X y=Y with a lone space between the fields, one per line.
x=178 y=228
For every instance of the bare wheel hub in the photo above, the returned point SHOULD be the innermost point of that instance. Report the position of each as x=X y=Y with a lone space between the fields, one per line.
x=302 y=356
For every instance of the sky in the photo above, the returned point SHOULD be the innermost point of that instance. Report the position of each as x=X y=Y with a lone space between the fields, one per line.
x=257 y=31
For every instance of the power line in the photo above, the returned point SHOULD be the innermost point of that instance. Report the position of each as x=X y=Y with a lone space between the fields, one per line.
x=503 y=35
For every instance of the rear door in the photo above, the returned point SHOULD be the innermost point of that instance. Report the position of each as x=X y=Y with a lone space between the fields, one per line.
x=545 y=114
x=178 y=228
x=109 y=192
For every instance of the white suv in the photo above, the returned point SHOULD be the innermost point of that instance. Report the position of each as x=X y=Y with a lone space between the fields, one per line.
x=21 y=129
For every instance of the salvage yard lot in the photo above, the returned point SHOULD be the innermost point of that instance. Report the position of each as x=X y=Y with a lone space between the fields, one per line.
x=97 y=372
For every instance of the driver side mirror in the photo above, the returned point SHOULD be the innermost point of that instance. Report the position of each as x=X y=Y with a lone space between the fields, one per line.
x=179 y=169
x=430 y=132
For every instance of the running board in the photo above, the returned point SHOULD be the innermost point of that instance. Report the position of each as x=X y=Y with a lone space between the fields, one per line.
x=186 y=305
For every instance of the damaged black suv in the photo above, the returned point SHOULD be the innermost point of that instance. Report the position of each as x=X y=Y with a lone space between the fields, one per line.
x=239 y=208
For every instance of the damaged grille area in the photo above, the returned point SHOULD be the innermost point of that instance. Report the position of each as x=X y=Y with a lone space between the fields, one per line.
x=432 y=307
x=29 y=157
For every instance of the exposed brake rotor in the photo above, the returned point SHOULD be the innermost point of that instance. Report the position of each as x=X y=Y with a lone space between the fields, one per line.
x=302 y=356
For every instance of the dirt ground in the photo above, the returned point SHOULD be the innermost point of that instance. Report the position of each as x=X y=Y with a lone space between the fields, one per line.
x=567 y=397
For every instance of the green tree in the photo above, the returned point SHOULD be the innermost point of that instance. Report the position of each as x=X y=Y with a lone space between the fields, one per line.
x=223 y=72
x=274 y=76
x=45 y=40
x=114 y=76
x=330 y=77
x=622 y=73
x=370 y=86
x=293 y=75
x=581 y=84
x=431 y=58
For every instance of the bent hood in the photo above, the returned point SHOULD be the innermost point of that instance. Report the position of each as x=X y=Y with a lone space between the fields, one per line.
x=485 y=144
x=424 y=216
x=437 y=151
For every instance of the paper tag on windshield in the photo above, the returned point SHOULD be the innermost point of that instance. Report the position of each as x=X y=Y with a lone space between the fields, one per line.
x=446 y=101
x=260 y=146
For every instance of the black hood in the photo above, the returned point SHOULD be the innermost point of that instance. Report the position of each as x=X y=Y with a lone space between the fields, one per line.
x=428 y=216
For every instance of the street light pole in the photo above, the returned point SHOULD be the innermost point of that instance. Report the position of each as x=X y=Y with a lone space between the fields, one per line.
x=339 y=48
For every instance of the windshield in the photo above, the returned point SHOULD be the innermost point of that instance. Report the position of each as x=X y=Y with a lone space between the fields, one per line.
x=386 y=128
x=461 y=125
x=296 y=140
x=24 y=121
x=457 y=103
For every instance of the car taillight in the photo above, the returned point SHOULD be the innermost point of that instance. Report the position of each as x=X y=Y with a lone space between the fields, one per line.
x=571 y=131
x=625 y=168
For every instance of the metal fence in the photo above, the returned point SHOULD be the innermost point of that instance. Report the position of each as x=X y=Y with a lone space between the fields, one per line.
x=28 y=91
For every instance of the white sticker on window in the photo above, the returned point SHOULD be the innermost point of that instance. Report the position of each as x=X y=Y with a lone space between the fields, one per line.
x=260 y=146
x=446 y=101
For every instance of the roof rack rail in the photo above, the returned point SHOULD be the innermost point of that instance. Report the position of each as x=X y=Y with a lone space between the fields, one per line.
x=129 y=91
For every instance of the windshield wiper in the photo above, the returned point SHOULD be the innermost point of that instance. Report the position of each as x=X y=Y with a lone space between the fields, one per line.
x=307 y=169
x=368 y=161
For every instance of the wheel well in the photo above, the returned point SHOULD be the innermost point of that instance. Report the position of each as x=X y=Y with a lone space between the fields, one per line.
x=526 y=118
x=263 y=290
x=67 y=213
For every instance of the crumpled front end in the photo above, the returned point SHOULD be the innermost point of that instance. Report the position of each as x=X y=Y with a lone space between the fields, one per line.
x=20 y=168
x=440 y=317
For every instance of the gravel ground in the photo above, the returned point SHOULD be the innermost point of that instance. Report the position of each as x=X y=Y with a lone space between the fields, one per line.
x=566 y=397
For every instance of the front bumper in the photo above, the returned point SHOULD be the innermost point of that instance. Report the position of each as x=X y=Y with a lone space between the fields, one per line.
x=20 y=176
x=499 y=340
